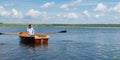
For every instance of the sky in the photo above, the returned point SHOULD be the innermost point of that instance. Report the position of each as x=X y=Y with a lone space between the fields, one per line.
x=60 y=11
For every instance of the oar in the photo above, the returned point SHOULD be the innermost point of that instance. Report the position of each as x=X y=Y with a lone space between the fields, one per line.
x=63 y=31
x=2 y=33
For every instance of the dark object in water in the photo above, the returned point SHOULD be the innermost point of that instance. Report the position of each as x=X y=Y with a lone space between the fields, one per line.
x=2 y=43
x=64 y=31
x=1 y=33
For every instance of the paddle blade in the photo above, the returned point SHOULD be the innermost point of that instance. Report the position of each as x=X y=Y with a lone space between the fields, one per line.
x=64 y=31
x=1 y=33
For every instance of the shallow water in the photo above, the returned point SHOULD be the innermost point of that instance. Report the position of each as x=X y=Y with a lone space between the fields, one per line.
x=76 y=44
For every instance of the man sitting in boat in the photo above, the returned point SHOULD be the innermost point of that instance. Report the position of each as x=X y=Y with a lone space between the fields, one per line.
x=30 y=30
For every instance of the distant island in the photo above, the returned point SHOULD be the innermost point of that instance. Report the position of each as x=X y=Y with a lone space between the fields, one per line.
x=64 y=25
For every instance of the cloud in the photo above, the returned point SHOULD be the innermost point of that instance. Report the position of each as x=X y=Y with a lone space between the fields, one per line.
x=16 y=14
x=71 y=15
x=86 y=12
x=35 y=14
x=75 y=2
x=70 y=5
x=3 y=12
x=65 y=6
x=99 y=15
x=48 y=4
x=117 y=7
x=100 y=7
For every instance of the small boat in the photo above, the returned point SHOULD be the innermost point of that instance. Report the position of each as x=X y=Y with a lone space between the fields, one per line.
x=36 y=39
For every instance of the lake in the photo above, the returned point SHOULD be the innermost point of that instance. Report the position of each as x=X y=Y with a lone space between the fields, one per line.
x=76 y=44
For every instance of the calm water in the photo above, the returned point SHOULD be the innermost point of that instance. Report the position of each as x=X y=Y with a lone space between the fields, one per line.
x=76 y=44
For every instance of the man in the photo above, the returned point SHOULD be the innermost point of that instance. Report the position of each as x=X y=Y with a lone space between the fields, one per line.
x=30 y=30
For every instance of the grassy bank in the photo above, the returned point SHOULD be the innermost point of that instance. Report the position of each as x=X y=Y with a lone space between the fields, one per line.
x=65 y=25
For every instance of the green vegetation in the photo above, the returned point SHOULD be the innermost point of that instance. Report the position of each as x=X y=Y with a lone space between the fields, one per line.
x=65 y=25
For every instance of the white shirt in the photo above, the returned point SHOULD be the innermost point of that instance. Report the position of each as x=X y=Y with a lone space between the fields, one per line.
x=30 y=31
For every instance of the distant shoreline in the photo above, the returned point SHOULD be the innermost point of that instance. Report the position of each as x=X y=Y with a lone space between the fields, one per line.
x=65 y=25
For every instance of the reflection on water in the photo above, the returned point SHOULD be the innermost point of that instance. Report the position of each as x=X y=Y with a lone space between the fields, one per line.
x=35 y=46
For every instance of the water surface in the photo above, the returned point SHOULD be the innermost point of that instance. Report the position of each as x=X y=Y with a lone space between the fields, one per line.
x=76 y=44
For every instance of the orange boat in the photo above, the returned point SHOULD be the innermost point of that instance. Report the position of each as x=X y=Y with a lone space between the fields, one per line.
x=36 y=39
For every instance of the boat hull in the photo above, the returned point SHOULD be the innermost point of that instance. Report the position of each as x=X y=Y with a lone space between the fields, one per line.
x=34 y=39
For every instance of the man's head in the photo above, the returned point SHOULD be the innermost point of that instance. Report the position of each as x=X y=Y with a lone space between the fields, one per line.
x=30 y=26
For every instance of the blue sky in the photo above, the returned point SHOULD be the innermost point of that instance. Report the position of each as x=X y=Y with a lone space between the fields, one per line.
x=60 y=11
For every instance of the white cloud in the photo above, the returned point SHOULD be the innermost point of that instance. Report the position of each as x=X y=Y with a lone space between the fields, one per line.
x=3 y=12
x=71 y=15
x=99 y=15
x=70 y=5
x=86 y=13
x=33 y=13
x=16 y=14
x=48 y=4
x=36 y=14
x=64 y=6
x=117 y=7
x=100 y=7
